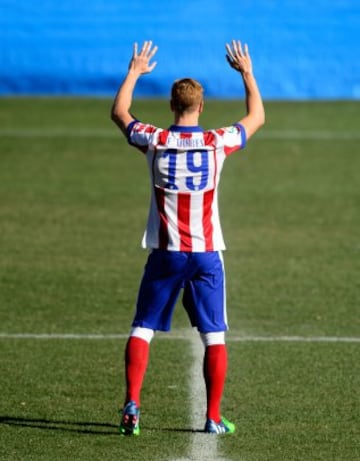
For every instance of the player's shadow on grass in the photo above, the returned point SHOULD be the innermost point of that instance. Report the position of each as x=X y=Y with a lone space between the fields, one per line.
x=58 y=425
x=75 y=426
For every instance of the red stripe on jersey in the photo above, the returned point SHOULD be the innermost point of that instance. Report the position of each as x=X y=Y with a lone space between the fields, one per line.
x=163 y=136
x=206 y=220
x=163 y=227
x=209 y=138
x=220 y=131
x=186 y=135
x=149 y=129
x=184 y=221
x=229 y=150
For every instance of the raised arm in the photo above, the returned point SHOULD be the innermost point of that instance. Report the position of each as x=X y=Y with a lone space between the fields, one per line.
x=240 y=60
x=139 y=65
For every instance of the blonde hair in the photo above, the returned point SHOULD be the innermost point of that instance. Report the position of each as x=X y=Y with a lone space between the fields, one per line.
x=186 y=95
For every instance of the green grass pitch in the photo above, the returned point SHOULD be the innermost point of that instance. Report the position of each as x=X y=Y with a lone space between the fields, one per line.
x=73 y=204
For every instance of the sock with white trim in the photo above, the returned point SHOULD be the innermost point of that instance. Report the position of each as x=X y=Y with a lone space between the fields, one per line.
x=215 y=368
x=136 y=361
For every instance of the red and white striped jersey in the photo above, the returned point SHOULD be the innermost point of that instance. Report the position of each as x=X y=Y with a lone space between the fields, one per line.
x=185 y=164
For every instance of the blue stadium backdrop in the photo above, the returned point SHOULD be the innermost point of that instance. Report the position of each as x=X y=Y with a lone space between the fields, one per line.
x=301 y=50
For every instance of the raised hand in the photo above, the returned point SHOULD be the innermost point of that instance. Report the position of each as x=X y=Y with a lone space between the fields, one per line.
x=140 y=62
x=238 y=58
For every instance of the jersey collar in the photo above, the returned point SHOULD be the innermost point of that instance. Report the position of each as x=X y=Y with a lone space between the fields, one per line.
x=186 y=129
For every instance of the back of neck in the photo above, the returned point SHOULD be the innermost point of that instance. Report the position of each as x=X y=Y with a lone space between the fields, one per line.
x=187 y=120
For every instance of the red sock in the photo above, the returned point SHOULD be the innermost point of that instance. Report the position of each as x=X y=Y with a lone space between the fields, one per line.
x=136 y=361
x=215 y=367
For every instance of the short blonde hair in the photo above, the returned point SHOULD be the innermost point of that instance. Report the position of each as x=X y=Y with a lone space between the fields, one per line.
x=186 y=95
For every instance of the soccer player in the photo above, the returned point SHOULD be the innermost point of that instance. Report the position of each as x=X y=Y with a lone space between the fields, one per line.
x=183 y=230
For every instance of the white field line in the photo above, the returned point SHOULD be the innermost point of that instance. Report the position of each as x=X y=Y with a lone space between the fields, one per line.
x=316 y=135
x=50 y=132
x=203 y=446
x=185 y=336
x=296 y=339
x=63 y=336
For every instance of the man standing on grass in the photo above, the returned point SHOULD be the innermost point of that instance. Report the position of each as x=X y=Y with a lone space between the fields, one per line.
x=183 y=230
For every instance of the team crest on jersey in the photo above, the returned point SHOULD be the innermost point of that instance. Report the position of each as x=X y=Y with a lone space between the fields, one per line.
x=232 y=129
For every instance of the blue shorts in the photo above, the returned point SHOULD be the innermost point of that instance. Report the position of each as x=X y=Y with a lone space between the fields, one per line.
x=200 y=275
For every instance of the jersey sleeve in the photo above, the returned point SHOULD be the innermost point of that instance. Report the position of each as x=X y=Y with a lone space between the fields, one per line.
x=231 y=138
x=140 y=135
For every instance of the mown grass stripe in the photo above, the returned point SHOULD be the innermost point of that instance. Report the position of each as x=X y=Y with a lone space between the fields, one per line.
x=317 y=135
x=175 y=335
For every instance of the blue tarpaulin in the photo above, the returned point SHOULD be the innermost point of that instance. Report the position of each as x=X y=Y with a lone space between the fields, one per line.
x=300 y=50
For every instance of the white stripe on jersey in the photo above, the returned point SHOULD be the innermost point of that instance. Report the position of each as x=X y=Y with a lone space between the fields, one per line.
x=196 y=224
x=171 y=209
